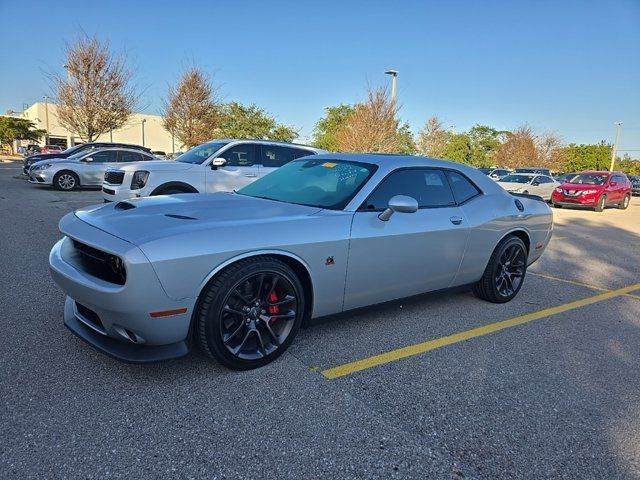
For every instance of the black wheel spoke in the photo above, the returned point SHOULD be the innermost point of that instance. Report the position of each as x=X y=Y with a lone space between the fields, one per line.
x=244 y=340
x=287 y=299
x=276 y=340
x=228 y=309
x=262 y=350
x=260 y=285
x=274 y=282
x=286 y=315
x=238 y=294
x=232 y=335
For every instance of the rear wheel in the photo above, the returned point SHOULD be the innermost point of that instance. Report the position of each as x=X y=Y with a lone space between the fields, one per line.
x=505 y=272
x=624 y=204
x=66 y=181
x=250 y=313
x=601 y=203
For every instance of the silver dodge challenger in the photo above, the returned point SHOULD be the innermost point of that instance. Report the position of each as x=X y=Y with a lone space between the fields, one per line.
x=238 y=273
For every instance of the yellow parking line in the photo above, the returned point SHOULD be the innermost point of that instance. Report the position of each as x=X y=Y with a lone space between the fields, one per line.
x=574 y=282
x=393 y=355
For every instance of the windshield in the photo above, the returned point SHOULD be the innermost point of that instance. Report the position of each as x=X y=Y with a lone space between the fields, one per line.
x=77 y=156
x=589 y=179
x=320 y=183
x=72 y=150
x=516 y=178
x=200 y=153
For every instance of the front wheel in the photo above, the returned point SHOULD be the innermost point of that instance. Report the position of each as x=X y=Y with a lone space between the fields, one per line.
x=505 y=272
x=250 y=313
x=601 y=203
x=66 y=181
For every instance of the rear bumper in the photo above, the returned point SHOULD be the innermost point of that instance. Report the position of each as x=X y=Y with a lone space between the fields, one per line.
x=125 y=352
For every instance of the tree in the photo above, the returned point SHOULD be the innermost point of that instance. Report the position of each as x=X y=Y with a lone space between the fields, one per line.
x=12 y=128
x=588 y=157
x=519 y=149
x=192 y=111
x=485 y=142
x=433 y=139
x=325 y=130
x=551 y=153
x=240 y=121
x=371 y=126
x=459 y=148
x=96 y=95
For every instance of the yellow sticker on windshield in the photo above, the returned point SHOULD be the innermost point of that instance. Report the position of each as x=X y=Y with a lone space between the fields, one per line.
x=329 y=164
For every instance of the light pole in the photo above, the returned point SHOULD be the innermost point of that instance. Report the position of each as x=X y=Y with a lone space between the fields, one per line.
x=394 y=87
x=143 y=122
x=614 y=154
x=46 y=117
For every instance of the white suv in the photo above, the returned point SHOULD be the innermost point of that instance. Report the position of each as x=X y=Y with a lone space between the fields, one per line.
x=219 y=165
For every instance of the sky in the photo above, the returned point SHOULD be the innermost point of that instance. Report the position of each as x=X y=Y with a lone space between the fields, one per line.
x=572 y=67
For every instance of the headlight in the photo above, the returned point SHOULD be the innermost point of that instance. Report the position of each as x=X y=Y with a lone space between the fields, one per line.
x=42 y=167
x=559 y=189
x=139 y=179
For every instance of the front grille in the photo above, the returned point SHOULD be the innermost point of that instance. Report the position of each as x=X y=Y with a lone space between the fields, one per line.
x=572 y=193
x=114 y=178
x=90 y=316
x=103 y=265
x=108 y=191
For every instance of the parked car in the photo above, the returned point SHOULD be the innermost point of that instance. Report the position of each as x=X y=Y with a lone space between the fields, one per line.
x=160 y=154
x=32 y=149
x=219 y=165
x=85 y=168
x=635 y=184
x=565 y=177
x=239 y=272
x=595 y=190
x=541 y=185
x=29 y=160
x=498 y=173
x=51 y=149
x=542 y=171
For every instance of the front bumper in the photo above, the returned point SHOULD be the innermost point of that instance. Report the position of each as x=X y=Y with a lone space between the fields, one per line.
x=40 y=177
x=588 y=200
x=121 y=322
x=118 y=193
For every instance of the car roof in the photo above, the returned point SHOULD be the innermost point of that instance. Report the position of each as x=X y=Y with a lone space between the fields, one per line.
x=265 y=142
x=598 y=172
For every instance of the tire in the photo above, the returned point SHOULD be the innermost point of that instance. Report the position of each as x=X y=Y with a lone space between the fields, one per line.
x=526 y=192
x=246 y=316
x=508 y=262
x=601 y=204
x=624 y=204
x=66 y=181
x=555 y=205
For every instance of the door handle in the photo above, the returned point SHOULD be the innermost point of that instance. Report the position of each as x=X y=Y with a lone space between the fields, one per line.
x=250 y=175
x=456 y=220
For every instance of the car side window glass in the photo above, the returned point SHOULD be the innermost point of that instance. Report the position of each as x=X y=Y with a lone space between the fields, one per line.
x=276 y=156
x=242 y=155
x=104 y=157
x=130 y=157
x=428 y=186
x=297 y=153
x=462 y=187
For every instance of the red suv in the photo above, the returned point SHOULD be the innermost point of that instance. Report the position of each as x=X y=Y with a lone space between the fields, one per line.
x=595 y=190
x=51 y=149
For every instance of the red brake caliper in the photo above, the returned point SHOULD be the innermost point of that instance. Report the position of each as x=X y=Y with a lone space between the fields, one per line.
x=273 y=298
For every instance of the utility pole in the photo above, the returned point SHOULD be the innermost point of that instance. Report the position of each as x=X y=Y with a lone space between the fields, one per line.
x=142 y=122
x=394 y=88
x=614 y=154
x=46 y=119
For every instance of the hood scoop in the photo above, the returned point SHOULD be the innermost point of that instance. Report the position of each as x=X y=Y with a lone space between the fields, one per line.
x=181 y=217
x=124 y=206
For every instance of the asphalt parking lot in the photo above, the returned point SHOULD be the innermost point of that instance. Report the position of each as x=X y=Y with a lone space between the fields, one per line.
x=442 y=386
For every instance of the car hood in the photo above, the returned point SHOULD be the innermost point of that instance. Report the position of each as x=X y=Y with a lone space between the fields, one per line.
x=157 y=166
x=42 y=156
x=146 y=219
x=514 y=185
x=52 y=160
x=580 y=186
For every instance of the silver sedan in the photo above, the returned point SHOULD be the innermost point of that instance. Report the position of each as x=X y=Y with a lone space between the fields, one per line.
x=237 y=273
x=83 y=169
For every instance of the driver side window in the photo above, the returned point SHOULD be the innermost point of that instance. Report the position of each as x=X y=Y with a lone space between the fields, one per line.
x=105 y=156
x=243 y=155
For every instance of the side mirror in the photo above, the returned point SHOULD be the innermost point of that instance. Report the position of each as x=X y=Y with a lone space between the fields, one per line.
x=535 y=184
x=217 y=163
x=613 y=184
x=401 y=204
x=87 y=159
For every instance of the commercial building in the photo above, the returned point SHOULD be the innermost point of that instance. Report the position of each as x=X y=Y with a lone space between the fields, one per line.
x=141 y=129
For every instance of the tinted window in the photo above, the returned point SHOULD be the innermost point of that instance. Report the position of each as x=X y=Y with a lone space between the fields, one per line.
x=429 y=187
x=130 y=157
x=242 y=155
x=545 y=179
x=105 y=156
x=199 y=154
x=462 y=188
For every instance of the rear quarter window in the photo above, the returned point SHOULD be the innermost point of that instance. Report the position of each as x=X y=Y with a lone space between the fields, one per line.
x=463 y=189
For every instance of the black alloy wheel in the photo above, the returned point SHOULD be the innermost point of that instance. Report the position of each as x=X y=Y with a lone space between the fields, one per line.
x=504 y=275
x=250 y=313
